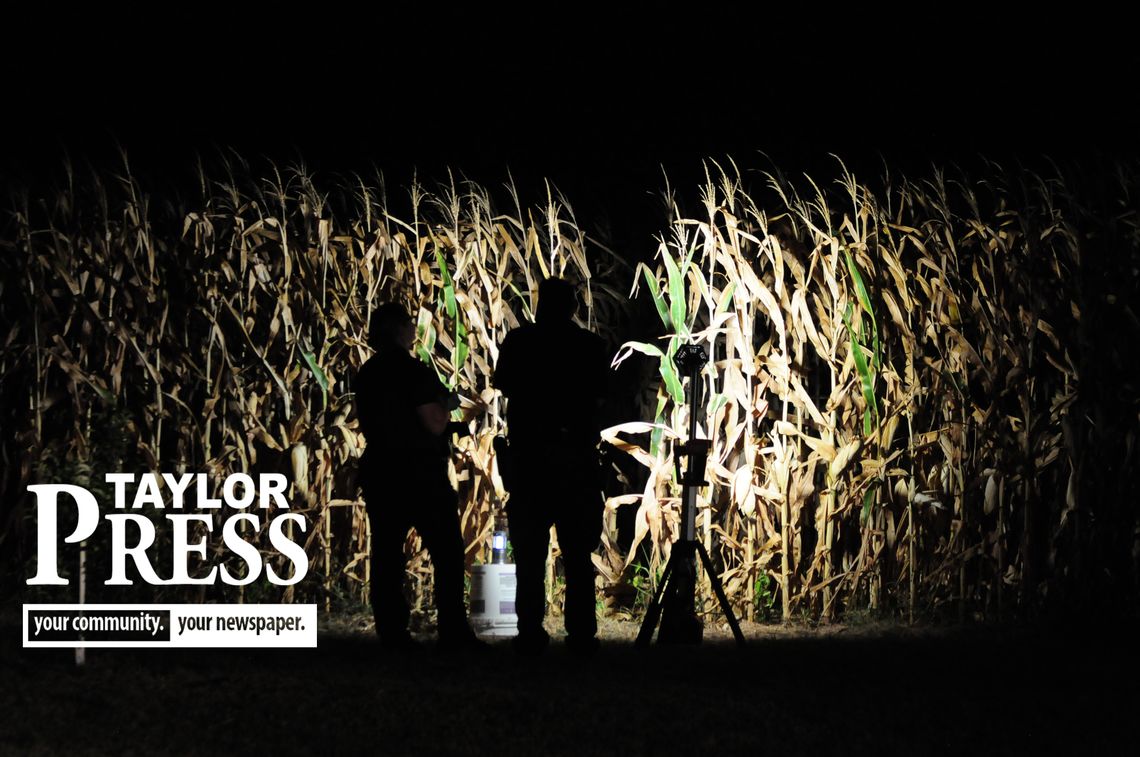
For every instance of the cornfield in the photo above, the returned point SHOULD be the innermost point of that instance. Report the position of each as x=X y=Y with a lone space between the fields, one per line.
x=916 y=400
x=915 y=396
x=223 y=336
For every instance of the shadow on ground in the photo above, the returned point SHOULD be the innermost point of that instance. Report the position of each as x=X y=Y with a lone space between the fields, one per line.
x=979 y=691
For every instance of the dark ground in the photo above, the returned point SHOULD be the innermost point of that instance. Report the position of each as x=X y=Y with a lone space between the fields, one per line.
x=867 y=690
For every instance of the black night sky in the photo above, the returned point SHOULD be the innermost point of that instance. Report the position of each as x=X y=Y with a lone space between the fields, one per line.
x=597 y=107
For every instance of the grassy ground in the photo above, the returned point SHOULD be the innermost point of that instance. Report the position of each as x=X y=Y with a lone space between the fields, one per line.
x=839 y=690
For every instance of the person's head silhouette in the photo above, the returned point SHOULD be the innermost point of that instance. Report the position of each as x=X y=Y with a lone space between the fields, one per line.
x=391 y=328
x=557 y=301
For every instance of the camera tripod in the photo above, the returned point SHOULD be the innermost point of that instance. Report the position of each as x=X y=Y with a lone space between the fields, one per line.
x=674 y=604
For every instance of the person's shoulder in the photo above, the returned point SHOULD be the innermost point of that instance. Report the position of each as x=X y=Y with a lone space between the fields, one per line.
x=519 y=335
x=523 y=330
x=392 y=365
x=370 y=367
x=422 y=369
x=591 y=336
x=588 y=338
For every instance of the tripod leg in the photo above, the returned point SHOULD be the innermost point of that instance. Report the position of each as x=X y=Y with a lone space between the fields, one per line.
x=719 y=591
x=679 y=621
x=653 y=613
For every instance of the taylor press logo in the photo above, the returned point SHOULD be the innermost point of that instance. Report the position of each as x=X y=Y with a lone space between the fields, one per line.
x=180 y=505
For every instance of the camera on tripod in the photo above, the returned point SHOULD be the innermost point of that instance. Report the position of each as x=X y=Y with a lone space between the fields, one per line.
x=674 y=604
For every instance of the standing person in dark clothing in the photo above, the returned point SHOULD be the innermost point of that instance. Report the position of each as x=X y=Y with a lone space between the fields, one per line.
x=553 y=374
x=402 y=408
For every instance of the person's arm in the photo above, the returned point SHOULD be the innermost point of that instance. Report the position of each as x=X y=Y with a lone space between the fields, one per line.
x=503 y=378
x=433 y=416
x=429 y=396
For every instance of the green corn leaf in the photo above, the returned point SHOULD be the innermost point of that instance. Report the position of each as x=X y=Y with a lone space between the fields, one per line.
x=669 y=373
x=322 y=380
x=726 y=298
x=448 y=284
x=655 y=292
x=672 y=382
x=860 y=287
x=449 y=300
x=719 y=401
x=868 y=500
x=644 y=348
x=461 y=346
x=677 y=308
x=665 y=360
x=658 y=432
x=865 y=375
x=865 y=303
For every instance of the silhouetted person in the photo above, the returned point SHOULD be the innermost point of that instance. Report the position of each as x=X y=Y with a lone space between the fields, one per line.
x=554 y=375
x=402 y=408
